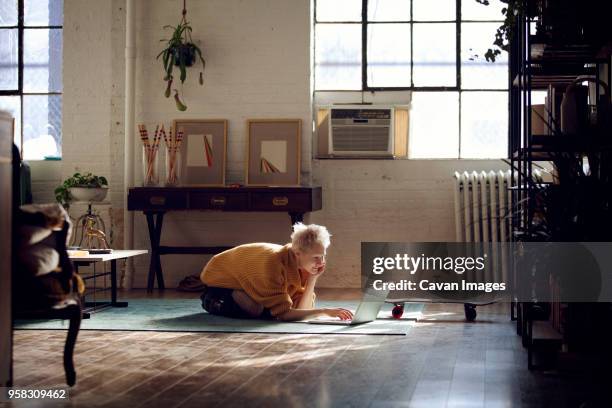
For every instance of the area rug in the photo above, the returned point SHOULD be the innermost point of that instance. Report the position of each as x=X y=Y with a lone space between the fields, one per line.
x=187 y=315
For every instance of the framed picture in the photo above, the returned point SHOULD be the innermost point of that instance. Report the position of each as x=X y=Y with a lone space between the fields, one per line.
x=203 y=151
x=273 y=152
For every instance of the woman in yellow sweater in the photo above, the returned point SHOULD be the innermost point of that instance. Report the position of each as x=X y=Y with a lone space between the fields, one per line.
x=263 y=280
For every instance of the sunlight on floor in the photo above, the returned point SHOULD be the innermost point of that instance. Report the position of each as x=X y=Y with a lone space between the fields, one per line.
x=306 y=352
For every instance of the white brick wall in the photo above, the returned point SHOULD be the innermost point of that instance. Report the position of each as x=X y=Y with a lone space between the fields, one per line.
x=258 y=66
x=385 y=200
x=87 y=87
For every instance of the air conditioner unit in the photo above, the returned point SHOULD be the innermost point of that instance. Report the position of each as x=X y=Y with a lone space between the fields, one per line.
x=361 y=131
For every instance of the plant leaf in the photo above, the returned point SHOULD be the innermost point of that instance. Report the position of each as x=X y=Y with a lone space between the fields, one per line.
x=168 y=89
x=169 y=66
x=197 y=50
x=183 y=69
x=165 y=59
x=179 y=105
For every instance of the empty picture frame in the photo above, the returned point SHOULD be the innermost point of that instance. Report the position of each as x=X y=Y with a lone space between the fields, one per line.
x=203 y=151
x=273 y=152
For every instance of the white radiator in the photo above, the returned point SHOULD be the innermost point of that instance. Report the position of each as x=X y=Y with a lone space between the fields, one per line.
x=483 y=215
x=482 y=206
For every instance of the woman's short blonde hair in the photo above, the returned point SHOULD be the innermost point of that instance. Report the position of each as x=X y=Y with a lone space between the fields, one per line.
x=304 y=237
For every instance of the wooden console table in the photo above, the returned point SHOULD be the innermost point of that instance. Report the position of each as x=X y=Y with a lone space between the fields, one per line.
x=154 y=202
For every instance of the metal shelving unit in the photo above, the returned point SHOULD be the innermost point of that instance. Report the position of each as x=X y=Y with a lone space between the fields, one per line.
x=557 y=67
x=536 y=65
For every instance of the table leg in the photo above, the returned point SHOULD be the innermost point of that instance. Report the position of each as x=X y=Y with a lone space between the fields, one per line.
x=99 y=305
x=113 y=281
x=296 y=217
x=155 y=268
x=158 y=271
x=114 y=302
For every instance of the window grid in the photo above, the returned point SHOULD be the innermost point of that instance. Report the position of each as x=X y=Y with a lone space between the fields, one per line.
x=21 y=28
x=458 y=60
x=365 y=23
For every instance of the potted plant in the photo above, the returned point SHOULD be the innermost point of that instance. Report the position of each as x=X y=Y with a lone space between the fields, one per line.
x=81 y=187
x=181 y=52
x=557 y=22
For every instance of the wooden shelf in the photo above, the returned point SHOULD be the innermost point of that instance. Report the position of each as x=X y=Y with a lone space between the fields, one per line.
x=543 y=145
x=544 y=333
x=541 y=76
x=559 y=65
x=541 y=52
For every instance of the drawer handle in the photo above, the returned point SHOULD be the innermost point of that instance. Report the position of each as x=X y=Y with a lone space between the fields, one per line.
x=217 y=201
x=280 y=201
x=157 y=200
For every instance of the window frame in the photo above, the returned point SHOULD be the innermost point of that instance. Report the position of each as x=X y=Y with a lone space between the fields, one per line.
x=364 y=49
x=21 y=28
x=458 y=60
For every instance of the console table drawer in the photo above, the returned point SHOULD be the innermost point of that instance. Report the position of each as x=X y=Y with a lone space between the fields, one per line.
x=162 y=200
x=300 y=202
x=219 y=201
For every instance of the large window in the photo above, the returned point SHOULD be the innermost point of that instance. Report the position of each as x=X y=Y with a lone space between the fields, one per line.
x=31 y=73
x=434 y=48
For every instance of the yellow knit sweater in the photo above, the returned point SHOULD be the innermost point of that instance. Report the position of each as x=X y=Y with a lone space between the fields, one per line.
x=268 y=273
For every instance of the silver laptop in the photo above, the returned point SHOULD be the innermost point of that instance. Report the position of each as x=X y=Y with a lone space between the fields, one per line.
x=367 y=311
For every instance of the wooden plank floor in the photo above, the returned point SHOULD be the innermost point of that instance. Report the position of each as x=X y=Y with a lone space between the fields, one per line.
x=442 y=362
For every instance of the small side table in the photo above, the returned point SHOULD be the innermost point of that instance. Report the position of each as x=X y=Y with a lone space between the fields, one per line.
x=112 y=258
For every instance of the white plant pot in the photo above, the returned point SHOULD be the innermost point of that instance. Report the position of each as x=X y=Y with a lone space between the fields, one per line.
x=88 y=193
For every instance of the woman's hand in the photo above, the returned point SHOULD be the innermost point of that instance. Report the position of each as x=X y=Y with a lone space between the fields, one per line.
x=343 y=314
x=302 y=314
x=318 y=271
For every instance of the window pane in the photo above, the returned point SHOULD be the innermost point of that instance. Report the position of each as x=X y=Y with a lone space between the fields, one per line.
x=44 y=12
x=434 y=10
x=388 y=10
x=8 y=13
x=538 y=97
x=435 y=55
x=338 y=10
x=476 y=71
x=42 y=60
x=11 y=105
x=484 y=125
x=434 y=125
x=389 y=55
x=42 y=126
x=472 y=10
x=338 y=56
x=8 y=59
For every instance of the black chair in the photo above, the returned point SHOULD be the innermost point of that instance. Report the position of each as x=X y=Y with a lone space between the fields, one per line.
x=28 y=292
x=71 y=312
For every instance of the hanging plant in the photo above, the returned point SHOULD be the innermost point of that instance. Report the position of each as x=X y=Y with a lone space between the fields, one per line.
x=180 y=52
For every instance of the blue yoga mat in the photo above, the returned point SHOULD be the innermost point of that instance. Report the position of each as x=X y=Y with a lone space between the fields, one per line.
x=187 y=315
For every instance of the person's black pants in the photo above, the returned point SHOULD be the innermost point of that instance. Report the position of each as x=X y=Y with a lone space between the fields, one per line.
x=219 y=301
